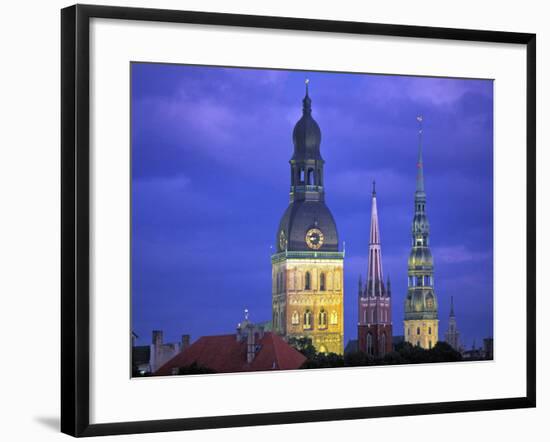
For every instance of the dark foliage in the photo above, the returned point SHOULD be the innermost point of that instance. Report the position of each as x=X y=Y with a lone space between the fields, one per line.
x=194 y=368
x=404 y=353
x=304 y=346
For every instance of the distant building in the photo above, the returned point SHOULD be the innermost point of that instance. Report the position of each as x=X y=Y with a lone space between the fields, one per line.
x=250 y=349
x=421 y=313
x=374 y=330
x=452 y=337
x=146 y=359
x=479 y=353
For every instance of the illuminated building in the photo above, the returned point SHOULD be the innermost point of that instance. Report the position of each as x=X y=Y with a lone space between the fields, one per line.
x=308 y=267
x=374 y=330
x=421 y=318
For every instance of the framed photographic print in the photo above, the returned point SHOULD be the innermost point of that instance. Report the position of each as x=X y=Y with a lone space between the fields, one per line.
x=331 y=219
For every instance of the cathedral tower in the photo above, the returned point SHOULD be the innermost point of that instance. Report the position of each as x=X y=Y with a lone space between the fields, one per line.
x=374 y=331
x=452 y=336
x=421 y=320
x=308 y=268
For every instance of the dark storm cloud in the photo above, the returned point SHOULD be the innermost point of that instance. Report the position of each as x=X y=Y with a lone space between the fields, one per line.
x=210 y=179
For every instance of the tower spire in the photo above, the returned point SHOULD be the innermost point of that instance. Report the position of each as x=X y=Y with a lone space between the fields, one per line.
x=307 y=101
x=452 y=307
x=420 y=163
x=375 y=279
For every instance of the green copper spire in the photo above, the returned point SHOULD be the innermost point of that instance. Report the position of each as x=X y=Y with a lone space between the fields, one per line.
x=420 y=163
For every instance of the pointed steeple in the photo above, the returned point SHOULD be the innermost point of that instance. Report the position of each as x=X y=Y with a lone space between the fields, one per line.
x=420 y=163
x=375 y=280
x=452 y=308
x=374 y=237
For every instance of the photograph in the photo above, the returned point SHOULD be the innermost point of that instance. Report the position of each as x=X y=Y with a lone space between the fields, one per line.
x=295 y=219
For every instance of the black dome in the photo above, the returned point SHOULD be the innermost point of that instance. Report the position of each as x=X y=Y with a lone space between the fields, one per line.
x=299 y=217
x=306 y=135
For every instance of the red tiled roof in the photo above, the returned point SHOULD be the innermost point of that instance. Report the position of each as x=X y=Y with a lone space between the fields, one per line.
x=224 y=354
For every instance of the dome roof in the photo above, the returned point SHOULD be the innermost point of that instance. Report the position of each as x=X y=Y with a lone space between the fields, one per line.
x=306 y=135
x=420 y=257
x=299 y=218
x=421 y=302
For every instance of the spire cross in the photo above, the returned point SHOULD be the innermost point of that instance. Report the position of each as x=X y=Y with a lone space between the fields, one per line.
x=374 y=187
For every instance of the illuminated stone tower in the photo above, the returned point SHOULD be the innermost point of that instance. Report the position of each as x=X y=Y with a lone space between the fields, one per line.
x=452 y=337
x=374 y=331
x=308 y=267
x=421 y=320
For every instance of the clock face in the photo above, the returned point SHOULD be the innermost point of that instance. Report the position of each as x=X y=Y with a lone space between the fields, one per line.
x=282 y=240
x=314 y=239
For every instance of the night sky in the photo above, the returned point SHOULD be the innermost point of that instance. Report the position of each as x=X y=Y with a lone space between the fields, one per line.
x=210 y=182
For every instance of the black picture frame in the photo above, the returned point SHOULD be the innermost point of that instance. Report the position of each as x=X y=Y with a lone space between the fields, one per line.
x=75 y=212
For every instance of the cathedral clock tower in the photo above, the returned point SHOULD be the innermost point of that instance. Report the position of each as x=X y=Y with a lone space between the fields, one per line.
x=308 y=268
x=421 y=319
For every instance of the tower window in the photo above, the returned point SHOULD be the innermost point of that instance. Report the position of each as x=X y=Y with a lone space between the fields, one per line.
x=429 y=330
x=322 y=282
x=322 y=318
x=307 y=319
x=295 y=318
x=417 y=330
x=308 y=281
x=369 y=344
x=302 y=175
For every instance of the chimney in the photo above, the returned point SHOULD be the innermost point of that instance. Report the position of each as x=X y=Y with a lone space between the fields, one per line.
x=157 y=337
x=185 y=340
x=250 y=345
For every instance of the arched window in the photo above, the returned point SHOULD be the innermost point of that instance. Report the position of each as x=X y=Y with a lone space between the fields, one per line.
x=334 y=317
x=429 y=330
x=308 y=281
x=302 y=176
x=295 y=318
x=307 y=319
x=310 y=177
x=383 y=344
x=370 y=349
x=322 y=319
x=417 y=330
x=322 y=285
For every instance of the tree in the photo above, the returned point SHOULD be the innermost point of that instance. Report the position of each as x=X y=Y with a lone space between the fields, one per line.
x=195 y=368
x=303 y=345
x=324 y=360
